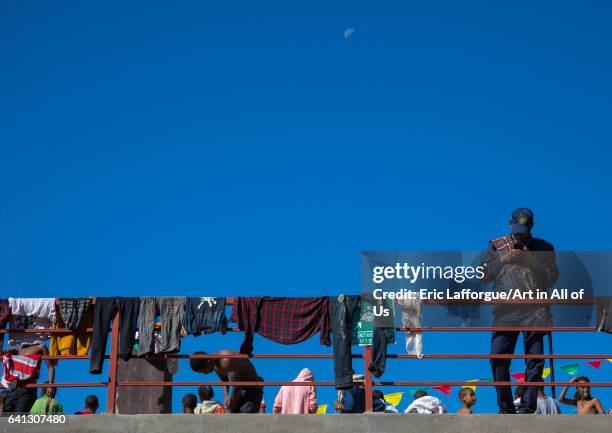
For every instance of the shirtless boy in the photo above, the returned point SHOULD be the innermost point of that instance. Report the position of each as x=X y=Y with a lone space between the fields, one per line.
x=585 y=403
x=243 y=399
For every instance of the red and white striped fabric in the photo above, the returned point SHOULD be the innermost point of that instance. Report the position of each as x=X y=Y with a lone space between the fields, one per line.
x=18 y=367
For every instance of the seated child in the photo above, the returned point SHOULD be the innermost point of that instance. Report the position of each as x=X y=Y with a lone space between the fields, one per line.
x=379 y=403
x=189 y=403
x=207 y=404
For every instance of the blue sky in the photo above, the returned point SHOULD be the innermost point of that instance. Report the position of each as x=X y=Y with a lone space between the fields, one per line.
x=250 y=149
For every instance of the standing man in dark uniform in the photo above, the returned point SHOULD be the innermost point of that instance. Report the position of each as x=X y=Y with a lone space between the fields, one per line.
x=519 y=261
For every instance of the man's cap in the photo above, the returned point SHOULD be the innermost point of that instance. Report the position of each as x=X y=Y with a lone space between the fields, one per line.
x=521 y=220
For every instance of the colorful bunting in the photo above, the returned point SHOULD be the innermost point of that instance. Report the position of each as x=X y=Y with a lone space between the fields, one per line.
x=571 y=369
x=322 y=409
x=424 y=388
x=394 y=399
x=595 y=364
x=518 y=376
x=473 y=388
x=446 y=389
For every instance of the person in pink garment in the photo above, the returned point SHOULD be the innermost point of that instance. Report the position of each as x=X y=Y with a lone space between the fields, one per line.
x=297 y=399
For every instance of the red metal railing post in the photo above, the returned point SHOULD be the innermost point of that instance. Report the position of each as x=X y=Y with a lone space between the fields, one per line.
x=367 y=351
x=114 y=355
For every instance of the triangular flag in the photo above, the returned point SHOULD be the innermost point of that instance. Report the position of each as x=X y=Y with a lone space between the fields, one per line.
x=546 y=373
x=609 y=359
x=571 y=369
x=518 y=376
x=595 y=364
x=394 y=398
x=446 y=389
x=473 y=388
x=322 y=409
x=412 y=391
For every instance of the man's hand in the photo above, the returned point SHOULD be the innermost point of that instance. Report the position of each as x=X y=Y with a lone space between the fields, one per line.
x=519 y=257
x=510 y=256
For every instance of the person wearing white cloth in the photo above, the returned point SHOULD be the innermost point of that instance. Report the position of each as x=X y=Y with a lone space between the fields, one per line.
x=425 y=404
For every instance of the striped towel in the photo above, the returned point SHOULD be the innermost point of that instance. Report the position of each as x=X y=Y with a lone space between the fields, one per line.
x=18 y=368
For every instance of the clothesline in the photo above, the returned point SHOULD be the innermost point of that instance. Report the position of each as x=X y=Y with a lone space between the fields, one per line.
x=415 y=329
x=281 y=319
x=356 y=356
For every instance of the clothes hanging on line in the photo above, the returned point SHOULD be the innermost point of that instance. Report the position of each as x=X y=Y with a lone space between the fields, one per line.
x=30 y=313
x=604 y=314
x=283 y=320
x=75 y=314
x=204 y=315
x=170 y=310
x=104 y=313
x=18 y=368
x=411 y=318
x=341 y=312
x=5 y=315
x=73 y=310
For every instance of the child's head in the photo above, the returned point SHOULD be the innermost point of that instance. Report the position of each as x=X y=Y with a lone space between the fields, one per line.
x=91 y=403
x=467 y=396
x=205 y=393
x=189 y=403
x=583 y=390
x=519 y=391
x=420 y=393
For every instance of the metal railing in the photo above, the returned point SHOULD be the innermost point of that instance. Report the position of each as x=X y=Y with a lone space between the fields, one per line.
x=113 y=383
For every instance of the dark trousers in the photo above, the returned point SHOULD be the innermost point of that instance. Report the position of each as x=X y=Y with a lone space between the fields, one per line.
x=504 y=342
x=341 y=316
x=379 y=352
x=379 y=336
x=104 y=312
x=249 y=400
x=19 y=401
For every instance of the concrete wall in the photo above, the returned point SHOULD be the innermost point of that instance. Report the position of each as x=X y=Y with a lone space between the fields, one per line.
x=374 y=423
x=144 y=399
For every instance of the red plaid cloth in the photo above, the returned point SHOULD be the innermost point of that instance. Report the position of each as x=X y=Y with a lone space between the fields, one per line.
x=284 y=320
